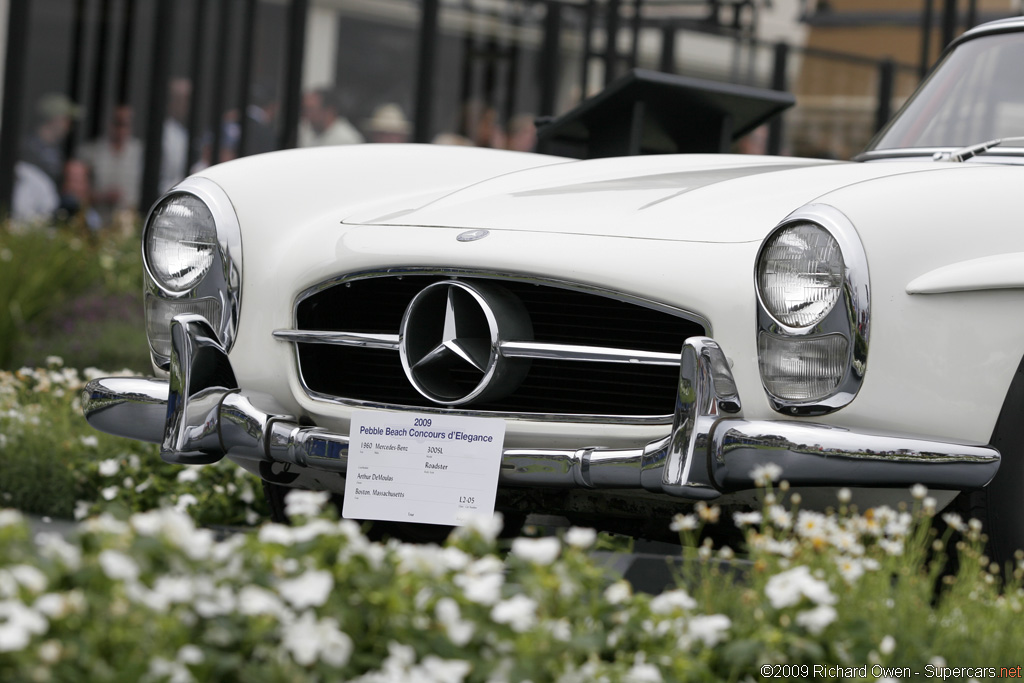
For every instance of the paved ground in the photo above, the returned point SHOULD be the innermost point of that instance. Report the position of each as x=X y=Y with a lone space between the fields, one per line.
x=38 y=524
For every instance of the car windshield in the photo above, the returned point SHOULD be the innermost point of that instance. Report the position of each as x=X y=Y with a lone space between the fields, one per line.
x=976 y=94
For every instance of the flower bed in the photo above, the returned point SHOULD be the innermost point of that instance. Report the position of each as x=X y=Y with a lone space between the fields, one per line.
x=143 y=592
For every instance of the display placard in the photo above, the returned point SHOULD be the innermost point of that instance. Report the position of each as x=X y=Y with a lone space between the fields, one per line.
x=414 y=467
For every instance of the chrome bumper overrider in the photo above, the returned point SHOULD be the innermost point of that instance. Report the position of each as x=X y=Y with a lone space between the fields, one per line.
x=199 y=416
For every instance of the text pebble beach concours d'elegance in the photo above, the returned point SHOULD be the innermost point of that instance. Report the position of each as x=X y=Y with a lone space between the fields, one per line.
x=880 y=671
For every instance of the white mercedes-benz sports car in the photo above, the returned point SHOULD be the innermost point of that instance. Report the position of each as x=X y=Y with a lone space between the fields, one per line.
x=433 y=332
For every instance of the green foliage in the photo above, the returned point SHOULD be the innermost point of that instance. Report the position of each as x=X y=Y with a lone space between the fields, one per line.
x=59 y=292
x=53 y=463
x=155 y=598
x=141 y=593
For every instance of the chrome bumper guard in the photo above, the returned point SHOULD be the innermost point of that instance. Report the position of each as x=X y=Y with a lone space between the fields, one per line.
x=199 y=416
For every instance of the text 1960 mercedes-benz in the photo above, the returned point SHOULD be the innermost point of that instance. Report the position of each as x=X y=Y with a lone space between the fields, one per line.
x=615 y=339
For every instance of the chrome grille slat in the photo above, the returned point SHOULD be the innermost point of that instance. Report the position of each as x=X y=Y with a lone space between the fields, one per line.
x=596 y=356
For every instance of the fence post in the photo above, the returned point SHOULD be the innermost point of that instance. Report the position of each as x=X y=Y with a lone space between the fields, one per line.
x=549 y=58
x=161 y=69
x=14 y=93
x=667 y=62
x=292 y=102
x=425 y=70
x=778 y=83
x=927 y=19
x=886 y=77
x=612 y=22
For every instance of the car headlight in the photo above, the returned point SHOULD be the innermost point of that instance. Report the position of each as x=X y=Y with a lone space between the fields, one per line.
x=813 y=312
x=800 y=274
x=192 y=255
x=180 y=242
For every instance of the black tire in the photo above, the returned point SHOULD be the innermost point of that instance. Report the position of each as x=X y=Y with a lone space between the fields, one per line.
x=1000 y=506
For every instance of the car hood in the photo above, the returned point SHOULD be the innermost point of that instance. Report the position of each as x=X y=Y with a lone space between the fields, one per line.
x=706 y=198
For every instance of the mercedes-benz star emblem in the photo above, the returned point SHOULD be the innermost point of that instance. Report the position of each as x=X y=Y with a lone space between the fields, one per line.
x=472 y=235
x=450 y=342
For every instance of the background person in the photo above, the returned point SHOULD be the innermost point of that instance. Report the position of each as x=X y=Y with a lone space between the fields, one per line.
x=44 y=145
x=388 y=124
x=323 y=122
x=116 y=160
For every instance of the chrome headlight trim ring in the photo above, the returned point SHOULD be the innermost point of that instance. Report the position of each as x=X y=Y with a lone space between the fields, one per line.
x=223 y=281
x=850 y=316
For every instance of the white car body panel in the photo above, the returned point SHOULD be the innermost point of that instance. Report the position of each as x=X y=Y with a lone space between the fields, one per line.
x=921 y=313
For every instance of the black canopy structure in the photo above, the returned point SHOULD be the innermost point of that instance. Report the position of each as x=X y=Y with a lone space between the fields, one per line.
x=649 y=112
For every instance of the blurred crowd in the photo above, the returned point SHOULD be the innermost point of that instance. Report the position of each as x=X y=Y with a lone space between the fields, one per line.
x=98 y=184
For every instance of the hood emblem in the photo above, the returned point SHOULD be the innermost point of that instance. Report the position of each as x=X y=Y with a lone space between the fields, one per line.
x=450 y=342
x=473 y=235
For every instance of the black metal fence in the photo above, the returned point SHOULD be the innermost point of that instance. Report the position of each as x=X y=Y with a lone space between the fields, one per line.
x=535 y=57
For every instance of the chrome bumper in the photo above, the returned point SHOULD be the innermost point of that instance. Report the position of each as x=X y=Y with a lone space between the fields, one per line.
x=200 y=415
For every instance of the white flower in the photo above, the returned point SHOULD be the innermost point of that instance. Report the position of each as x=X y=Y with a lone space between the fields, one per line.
x=308 y=640
x=18 y=624
x=54 y=361
x=579 y=537
x=109 y=467
x=118 y=566
x=278 y=534
x=482 y=581
x=765 y=474
x=309 y=590
x=436 y=670
x=560 y=630
x=850 y=569
x=253 y=600
x=519 y=612
x=708 y=513
x=299 y=503
x=670 y=601
x=887 y=646
x=190 y=654
x=847 y=542
x=817 y=619
x=486 y=526
x=918 y=491
x=109 y=493
x=29 y=577
x=789 y=587
x=90 y=441
x=780 y=517
x=811 y=525
x=954 y=521
x=541 y=551
x=185 y=501
x=50 y=651
x=782 y=548
x=742 y=519
x=682 y=522
x=708 y=629
x=173 y=672
x=618 y=593
x=642 y=672
x=844 y=495
x=188 y=475
x=891 y=547
x=10 y=518
x=460 y=631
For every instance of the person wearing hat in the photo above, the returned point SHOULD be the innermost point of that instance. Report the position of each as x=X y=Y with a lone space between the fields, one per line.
x=44 y=146
x=388 y=124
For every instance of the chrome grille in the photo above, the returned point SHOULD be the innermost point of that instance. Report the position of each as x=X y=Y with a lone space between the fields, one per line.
x=561 y=315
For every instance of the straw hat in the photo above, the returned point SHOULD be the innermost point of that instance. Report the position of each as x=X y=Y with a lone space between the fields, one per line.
x=388 y=118
x=52 y=105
